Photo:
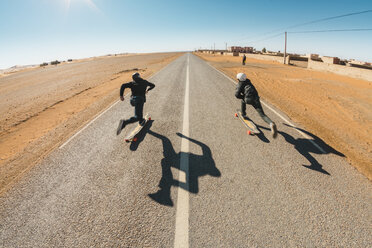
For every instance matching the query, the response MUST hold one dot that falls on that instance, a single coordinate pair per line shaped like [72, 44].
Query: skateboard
[252, 128]
[132, 135]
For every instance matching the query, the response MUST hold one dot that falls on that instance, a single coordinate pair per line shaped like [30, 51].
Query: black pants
[258, 107]
[138, 102]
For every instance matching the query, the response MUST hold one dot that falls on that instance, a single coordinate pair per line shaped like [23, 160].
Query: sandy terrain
[336, 108]
[41, 108]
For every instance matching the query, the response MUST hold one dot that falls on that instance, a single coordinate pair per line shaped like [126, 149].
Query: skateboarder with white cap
[249, 95]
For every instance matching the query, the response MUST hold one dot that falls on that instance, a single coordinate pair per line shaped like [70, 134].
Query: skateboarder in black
[139, 89]
[249, 95]
[244, 59]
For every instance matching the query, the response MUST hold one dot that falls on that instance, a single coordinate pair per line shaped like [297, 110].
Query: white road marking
[182, 177]
[182, 214]
[275, 112]
[100, 114]
[76, 134]
[296, 128]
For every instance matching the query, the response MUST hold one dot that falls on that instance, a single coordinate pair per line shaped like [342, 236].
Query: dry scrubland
[335, 108]
[43, 107]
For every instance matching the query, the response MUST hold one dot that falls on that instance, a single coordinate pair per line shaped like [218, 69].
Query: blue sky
[34, 31]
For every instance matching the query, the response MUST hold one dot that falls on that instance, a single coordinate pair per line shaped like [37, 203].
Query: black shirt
[138, 87]
[243, 86]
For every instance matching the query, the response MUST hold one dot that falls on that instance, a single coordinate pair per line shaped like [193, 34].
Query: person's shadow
[261, 135]
[304, 147]
[199, 165]
[141, 136]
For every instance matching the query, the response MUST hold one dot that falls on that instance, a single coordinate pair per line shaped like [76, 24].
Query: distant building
[331, 60]
[359, 64]
[238, 49]
[312, 56]
[356, 62]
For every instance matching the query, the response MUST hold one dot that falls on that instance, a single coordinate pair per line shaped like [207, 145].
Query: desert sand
[338, 109]
[43, 107]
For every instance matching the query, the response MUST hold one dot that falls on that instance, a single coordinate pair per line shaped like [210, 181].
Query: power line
[307, 23]
[268, 38]
[332, 30]
[322, 31]
[314, 31]
[329, 18]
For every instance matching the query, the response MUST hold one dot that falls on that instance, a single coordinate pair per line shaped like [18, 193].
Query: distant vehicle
[56, 62]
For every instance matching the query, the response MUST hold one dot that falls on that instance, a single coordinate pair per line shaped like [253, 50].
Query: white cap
[241, 76]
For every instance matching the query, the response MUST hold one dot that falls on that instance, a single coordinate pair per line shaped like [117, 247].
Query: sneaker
[274, 130]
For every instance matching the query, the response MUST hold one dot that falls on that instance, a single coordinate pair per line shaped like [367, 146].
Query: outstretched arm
[150, 85]
[122, 88]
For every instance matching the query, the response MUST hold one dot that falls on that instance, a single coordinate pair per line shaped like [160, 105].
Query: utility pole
[214, 47]
[226, 46]
[285, 47]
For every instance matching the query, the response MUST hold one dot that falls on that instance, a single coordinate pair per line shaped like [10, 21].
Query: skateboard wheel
[236, 115]
[149, 118]
[135, 139]
[126, 140]
[249, 132]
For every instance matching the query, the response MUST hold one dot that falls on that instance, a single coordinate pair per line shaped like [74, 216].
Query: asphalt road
[193, 179]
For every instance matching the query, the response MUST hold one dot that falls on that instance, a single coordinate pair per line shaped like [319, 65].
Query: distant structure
[238, 49]
[56, 62]
[359, 64]
[313, 56]
[330, 60]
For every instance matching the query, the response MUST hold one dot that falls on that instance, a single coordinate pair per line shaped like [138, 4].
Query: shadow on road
[305, 147]
[141, 136]
[261, 135]
[199, 165]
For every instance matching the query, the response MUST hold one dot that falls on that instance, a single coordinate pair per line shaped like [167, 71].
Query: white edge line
[181, 237]
[275, 112]
[99, 115]
[87, 125]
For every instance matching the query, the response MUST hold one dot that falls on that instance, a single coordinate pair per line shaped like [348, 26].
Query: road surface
[193, 179]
